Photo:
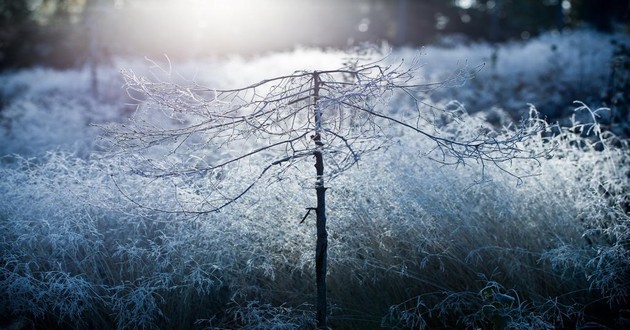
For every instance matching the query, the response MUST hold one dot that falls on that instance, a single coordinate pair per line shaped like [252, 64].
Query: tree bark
[321, 246]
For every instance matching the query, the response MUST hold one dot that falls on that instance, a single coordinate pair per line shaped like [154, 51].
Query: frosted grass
[412, 243]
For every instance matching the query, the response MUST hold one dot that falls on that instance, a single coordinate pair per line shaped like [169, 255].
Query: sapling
[199, 136]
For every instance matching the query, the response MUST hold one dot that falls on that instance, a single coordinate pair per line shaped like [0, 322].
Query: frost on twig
[192, 135]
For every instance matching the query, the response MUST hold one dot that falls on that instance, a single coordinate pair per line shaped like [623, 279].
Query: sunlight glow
[232, 24]
[195, 26]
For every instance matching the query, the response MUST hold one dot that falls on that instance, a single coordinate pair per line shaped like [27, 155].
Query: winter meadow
[113, 209]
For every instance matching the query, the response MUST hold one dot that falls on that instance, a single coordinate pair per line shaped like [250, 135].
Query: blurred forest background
[72, 33]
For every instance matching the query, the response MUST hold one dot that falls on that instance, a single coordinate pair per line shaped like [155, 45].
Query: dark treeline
[67, 33]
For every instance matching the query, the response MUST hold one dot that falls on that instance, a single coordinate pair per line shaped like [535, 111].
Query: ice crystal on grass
[137, 306]
[258, 316]
[405, 232]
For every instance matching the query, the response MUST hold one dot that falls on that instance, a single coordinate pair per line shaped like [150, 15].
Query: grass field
[413, 244]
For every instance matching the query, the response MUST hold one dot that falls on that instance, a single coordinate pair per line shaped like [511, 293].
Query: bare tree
[335, 116]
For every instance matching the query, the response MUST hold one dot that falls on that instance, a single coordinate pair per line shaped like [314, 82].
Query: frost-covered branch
[192, 130]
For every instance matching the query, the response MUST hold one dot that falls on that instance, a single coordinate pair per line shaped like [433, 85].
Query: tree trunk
[495, 24]
[402, 24]
[321, 246]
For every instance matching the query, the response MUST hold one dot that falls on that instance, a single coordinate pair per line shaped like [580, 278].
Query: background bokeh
[69, 33]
